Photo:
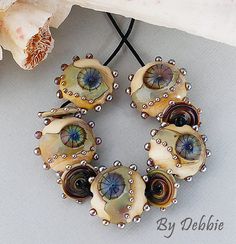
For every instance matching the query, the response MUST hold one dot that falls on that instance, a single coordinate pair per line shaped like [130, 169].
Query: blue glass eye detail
[73, 136]
[112, 185]
[89, 78]
[158, 76]
[188, 147]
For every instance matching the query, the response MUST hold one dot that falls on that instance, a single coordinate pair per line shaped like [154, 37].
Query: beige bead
[118, 195]
[58, 150]
[151, 95]
[74, 88]
[179, 149]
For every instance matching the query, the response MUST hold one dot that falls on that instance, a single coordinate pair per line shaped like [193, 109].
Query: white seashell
[5, 4]
[25, 32]
[213, 19]
[27, 18]
[59, 9]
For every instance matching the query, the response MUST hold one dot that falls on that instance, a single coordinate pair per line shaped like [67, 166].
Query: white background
[31, 209]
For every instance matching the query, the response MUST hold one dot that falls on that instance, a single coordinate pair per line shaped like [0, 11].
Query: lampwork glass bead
[155, 85]
[75, 181]
[180, 114]
[65, 141]
[86, 83]
[180, 149]
[160, 188]
[118, 195]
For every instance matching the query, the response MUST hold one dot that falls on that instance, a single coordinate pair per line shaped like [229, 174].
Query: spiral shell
[86, 83]
[179, 149]
[66, 141]
[118, 195]
[180, 114]
[160, 188]
[75, 181]
[155, 85]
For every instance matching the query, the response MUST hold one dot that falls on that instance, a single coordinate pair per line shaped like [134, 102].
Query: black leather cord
[124, 39]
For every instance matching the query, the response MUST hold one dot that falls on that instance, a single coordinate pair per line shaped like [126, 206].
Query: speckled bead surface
[86, 83]
[179, 149]
[118, 195]
[65, 140]
[161, 188]
[155, 85]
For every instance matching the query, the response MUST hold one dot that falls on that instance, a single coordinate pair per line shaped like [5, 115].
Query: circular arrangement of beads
[119, 194]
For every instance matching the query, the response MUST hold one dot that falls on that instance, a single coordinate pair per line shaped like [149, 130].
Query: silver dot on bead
[164, 143]
[98, 140]
[115, 86]
[63, 156]
[183, 71]
[133, 105]
[121, 225]
[115, 73]
[146, 207]
[158, 59]
[131, 181]
[109, 97]
[171, 61]
[177, 185]
[47, 122]
[130, 77]
[153, 132]
[208, 153]
[91, 124]
[150, 162]
[133, 167]
[169, 149]
[83, 162]
[98, 108]
[165, 95]
[131, 191]
[128, 90]
[189, 178]
[46, 166]
[63, 196]
[117, 163]
[144, 115]
[68, 166]
[105, 222]
[137, 219]
[92, 212]
[158, 141]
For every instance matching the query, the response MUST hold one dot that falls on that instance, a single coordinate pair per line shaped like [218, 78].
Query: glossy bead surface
[75, 181]
[160, 188]
[155, 85]
[179, 149]
[118, 194]
[181, 114]
[65, 141]
[86, 83]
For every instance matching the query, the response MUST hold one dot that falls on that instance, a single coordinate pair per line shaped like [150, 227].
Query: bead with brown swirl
[161, 188]
[75, 182]
[181, 114]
